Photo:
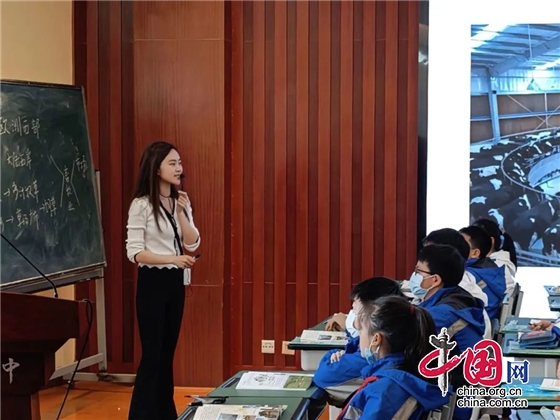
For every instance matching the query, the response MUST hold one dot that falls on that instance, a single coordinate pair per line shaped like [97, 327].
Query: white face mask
[350, 324]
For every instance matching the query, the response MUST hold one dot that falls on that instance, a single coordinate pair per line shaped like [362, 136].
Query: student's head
[438, 266]
[392, 325]
[160, 173]
[450, 237]
[501, 241]
[479, 241]
[372, 289]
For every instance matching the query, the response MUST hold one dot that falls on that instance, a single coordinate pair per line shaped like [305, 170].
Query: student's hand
[336, 323]
[182, 202]
[541, 325]
[184, 261]
[557, 408]
[335, 357]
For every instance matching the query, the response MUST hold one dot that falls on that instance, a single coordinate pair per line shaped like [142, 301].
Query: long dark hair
[147, 184]
[406, 327]
[502, 240]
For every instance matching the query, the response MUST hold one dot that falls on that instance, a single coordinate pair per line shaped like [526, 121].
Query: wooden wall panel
[324, 148]
[297, 124]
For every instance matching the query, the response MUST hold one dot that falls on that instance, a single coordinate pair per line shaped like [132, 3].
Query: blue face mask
[371, 356]
[416, 286]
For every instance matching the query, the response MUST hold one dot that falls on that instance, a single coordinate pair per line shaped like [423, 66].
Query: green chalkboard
[49, 199]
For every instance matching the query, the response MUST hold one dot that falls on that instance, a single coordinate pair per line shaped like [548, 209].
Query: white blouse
[143, 233]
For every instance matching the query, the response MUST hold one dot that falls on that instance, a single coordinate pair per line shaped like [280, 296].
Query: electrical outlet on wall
[286, 350]
[267, 346]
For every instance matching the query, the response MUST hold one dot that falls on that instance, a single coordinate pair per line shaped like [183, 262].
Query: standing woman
[160, 225]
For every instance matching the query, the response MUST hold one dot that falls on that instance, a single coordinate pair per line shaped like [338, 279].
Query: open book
[239, 412]
[323, 337]
[275, 381]
[549, 384]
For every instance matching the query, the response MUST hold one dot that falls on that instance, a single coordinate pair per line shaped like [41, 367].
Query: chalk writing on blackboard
[19, 159]
[20, 125]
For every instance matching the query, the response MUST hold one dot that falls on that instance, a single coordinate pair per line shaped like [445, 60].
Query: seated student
[437, 276]
[369, 289]
[394, 337]
[453, 238]
[490, 277]
[502, 251]
[438, 273]
[339, 371]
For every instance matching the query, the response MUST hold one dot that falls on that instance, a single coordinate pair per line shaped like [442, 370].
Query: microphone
[32, 265]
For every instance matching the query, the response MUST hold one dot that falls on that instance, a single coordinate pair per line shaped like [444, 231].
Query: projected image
[515, 136]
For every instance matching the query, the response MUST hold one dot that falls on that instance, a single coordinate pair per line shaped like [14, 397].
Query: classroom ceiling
[501, 48]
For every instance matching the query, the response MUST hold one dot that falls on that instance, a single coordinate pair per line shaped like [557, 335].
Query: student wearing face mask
[453, 238]
[394, 337]
[339, 371]
[439, 270]
[490, 277]
[369, 289]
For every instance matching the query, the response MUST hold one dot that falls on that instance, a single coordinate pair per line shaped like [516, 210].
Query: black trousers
[160, 298]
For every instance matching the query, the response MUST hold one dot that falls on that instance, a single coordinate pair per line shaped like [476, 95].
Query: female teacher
[160, 225]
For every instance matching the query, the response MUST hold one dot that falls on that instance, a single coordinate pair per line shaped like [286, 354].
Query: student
[438, 272]
[368, 289]
[490, 277]
[453, 238]
[394, 337]
[339, 371]
[502, 251]
[160, 225]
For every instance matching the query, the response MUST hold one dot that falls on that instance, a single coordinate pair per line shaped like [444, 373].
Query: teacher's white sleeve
[136, 228]
[192, 247]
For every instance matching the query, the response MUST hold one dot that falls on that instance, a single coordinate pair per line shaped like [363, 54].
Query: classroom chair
[445, 412]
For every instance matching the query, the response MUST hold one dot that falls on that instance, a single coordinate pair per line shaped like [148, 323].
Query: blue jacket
[347, 368]
[382, 398]
[492, 281]
[452, 305]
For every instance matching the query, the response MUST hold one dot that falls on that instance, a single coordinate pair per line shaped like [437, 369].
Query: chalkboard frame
[79, 274]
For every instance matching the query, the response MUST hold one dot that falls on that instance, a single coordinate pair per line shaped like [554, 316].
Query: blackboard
[49, 198]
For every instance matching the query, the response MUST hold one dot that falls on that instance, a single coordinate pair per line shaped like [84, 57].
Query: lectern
[33, 328]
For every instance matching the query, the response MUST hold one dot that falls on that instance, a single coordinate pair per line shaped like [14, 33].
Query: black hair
[375, 288]
[450, 237]
[502, 240]
[479, 239]
[407, 328]
[445, 261]
[147, 184]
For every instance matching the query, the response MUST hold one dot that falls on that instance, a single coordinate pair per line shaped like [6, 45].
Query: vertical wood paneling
[302, 161]
[280, 97]
[324, 158]
[336, 158]
[345, 147]
[368, 132]
[258, 172]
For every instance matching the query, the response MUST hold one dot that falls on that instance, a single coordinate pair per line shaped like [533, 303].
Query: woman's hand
[182, 202]
[184, 261]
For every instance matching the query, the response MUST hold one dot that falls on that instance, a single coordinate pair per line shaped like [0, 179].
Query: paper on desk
[239, 412]
[275, 381]
[323, 337]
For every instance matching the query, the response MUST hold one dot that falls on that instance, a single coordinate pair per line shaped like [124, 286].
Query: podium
[33, 328]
